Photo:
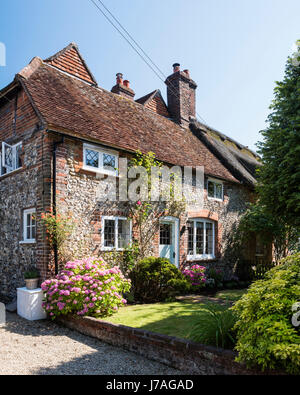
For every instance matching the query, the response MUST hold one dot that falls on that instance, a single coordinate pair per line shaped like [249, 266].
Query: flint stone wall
[18, 192]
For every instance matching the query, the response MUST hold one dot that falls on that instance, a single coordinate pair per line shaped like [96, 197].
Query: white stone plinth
[2, 314]
[29, 303]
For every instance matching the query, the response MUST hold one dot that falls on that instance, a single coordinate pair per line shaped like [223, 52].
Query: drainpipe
[55, 144]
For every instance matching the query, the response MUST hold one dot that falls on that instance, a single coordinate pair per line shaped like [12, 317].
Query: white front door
[168, 240]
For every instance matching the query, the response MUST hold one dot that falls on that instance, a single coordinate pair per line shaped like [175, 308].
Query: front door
[168, 240]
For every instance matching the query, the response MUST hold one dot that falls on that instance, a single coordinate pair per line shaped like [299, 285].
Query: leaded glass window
[109, 161]
[10, 158]
[92, 158]
[99, 160]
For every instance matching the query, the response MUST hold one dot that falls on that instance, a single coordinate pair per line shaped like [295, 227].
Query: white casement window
[100, 160]
[215, 189]
[29, 225]
[10, 158]
[115, 233]
[201, 239]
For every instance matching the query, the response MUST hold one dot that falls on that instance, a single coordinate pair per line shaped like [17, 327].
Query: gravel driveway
[43, 347]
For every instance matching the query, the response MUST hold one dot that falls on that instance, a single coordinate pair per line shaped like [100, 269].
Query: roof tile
[69, 104]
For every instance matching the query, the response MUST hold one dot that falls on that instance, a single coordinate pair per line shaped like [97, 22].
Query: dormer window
[100, 160]
[10, 158]
[215, 189]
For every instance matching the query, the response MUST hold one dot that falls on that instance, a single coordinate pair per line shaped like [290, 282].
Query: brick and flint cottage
[59, 132]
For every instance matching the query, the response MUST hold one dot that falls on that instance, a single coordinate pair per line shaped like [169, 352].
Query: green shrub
[217, 275]
[214, 327]
[85, 287]
[260, 269]
[247, 270]
[32, 272]
[265, 334]
[155, 280]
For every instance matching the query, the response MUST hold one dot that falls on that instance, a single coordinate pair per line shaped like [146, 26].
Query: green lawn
[173, 319]
[231, 295]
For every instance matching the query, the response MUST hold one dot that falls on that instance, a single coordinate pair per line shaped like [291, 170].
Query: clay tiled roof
[68, 104]
[77, 106]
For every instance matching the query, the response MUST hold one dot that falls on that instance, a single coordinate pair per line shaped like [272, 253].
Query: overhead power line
[132, 38]
[136, 47]
[125, 38]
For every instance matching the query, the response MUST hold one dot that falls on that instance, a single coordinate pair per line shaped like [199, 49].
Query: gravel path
[43, 347]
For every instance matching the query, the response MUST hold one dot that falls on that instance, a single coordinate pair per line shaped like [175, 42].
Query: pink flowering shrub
[85, 287]
[196, 275]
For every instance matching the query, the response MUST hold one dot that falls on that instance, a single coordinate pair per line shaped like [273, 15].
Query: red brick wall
[182, 354]
[16, 116]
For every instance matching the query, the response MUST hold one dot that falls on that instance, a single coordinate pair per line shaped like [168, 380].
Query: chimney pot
[119, 78]
[187, 72]
[122, 88]
[176, 67]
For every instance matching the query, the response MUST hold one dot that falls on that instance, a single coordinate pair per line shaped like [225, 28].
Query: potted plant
[31, 277]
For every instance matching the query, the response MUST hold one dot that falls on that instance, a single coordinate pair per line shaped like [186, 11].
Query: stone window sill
[27, 242]
[16, 171]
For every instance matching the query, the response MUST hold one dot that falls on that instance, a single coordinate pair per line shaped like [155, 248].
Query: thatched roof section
[238, 159]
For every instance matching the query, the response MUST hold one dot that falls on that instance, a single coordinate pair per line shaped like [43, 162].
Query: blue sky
[234, 49]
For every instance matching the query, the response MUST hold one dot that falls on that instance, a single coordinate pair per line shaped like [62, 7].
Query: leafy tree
[266, 332]
[279, 177]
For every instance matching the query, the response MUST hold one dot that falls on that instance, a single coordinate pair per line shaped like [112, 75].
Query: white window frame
[25, 213]
[199, 257]
[101, 152]
[215, 181]
[9, 169]
[116, 219]
[1, 167]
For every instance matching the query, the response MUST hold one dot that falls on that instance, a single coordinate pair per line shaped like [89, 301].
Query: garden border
[185, 355]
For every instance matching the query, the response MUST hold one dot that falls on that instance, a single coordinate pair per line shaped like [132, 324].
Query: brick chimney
[181, 93]
[122, 88]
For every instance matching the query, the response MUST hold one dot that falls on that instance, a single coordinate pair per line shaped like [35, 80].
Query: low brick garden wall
[190, 357]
